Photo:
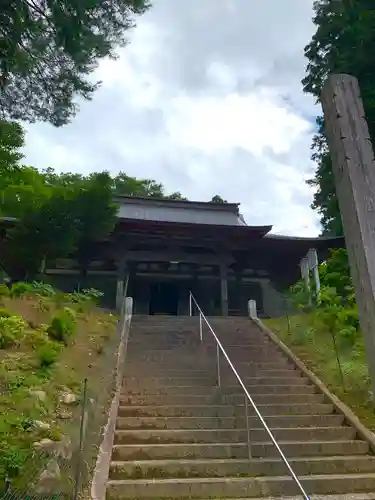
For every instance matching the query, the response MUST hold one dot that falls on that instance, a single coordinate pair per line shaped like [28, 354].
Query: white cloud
[253, 122]
[206, 99]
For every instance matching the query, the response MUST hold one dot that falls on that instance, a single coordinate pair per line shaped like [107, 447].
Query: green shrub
[70, 313]
[12, 330]
[92, 294]
[4, 313]
[4, 290]
[12, 459]
[62, 327]
[19, 289]
[87, 296]
[47, 355]
[43, 289]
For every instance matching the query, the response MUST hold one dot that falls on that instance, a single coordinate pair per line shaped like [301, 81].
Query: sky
[207, 99]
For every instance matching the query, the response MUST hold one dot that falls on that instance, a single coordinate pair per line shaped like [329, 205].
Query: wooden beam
[354, 173]
[175, 257]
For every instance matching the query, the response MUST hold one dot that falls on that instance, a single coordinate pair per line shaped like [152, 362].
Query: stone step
[132, 382]
[240, 467]
[226, 390]
[238, 487]
[232, 435]
[161, 342]
[223, 410]
[350, 496]
[291, 421]
[202, 363]
[132, 369]
[172, 400]
[237, 450]
[172, 356]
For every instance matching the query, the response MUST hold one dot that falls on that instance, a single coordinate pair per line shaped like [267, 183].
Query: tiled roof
[179, 211]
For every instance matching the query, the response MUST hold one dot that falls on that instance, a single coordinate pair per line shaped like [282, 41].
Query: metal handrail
[248, 398]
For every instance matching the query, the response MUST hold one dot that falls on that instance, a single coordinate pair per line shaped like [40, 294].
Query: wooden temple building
[162, 249]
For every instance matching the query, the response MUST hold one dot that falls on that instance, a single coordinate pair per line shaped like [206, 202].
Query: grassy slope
[87, 355]
[313, 344]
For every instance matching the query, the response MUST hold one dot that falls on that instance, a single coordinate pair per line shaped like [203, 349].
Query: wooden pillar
[224, 289]
[354, 173]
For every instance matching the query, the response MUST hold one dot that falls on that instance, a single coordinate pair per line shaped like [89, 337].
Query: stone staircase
[178, 436]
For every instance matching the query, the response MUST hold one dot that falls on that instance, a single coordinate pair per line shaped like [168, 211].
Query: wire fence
[64, 468]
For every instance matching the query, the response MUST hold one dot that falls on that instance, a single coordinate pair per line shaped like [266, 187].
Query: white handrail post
[248, 427]
[200, 328]
[218, 365]
[190, 305]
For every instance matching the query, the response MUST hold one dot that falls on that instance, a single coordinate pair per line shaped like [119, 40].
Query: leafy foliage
[48, 354]
[49, 49]
[335, 304]
[218, 199]
[11, 140]
[62, 327]
[12, 329]
[19, 289]
[342, 43]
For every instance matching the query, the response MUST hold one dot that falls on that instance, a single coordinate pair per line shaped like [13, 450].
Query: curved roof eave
[304, 238]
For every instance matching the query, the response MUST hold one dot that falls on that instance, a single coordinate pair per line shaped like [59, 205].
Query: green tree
[125, 185]
[95, 216]
[335, 273]
[46, 232]
[49, 49]
[218, 199]
[11, 141]
[70, 219]
[343, 43]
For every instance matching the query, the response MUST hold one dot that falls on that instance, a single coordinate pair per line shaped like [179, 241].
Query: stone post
[354, 173]
[312, 259]
[252, 309]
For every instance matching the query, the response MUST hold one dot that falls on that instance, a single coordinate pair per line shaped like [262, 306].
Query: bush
[19, 289]
[12, 459]
[4, 290]
[92, 294]
[62, 327]
[12, 330]
[37, 336]
[70, 313]
[4, 313]
[43, 289]
[48, 355]
[89, 295]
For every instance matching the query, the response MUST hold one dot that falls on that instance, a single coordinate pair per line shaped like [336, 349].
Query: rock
[65, 448]
[45, 445]
[40, 395]
[62, 448]
[43, 426]
[67, 397]
[48, 478]
[64, 415]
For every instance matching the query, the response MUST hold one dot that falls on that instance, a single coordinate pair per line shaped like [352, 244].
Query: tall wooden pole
[354, 173]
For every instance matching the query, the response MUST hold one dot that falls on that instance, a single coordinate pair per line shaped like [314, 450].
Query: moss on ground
[311, 341]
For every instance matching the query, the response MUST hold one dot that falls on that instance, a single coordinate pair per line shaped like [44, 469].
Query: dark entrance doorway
[164, 298]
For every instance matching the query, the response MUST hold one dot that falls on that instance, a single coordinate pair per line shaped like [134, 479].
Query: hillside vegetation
[326, 335]
[49, 343]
